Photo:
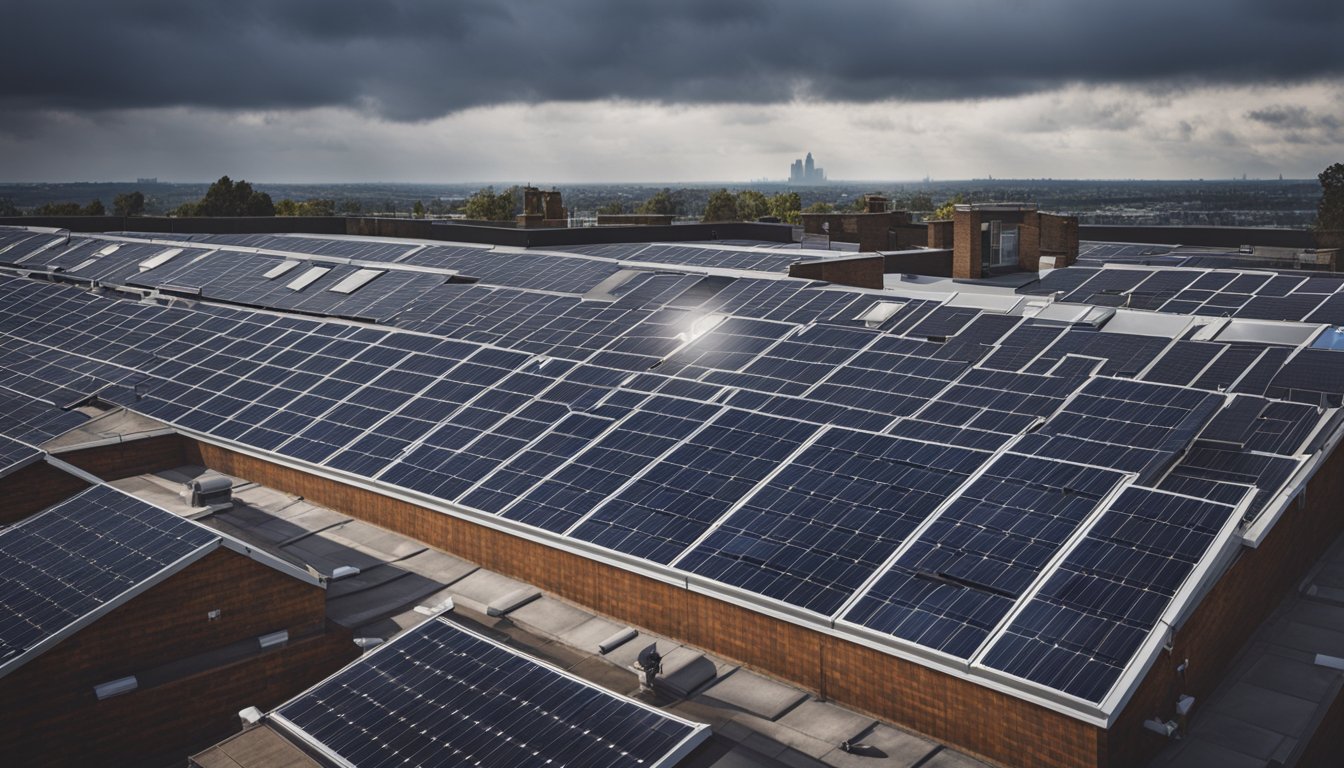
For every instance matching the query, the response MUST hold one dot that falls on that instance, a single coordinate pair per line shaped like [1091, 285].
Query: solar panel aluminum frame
[700, 732]
[1207, 571]
[1307, 468]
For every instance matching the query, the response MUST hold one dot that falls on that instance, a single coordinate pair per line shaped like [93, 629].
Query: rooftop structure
[985, 514]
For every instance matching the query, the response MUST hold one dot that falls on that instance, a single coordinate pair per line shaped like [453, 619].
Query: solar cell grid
[1182, 362]
[1128, 425]
[821, 526]
[1082, 629]
[960, 577]
[678, 498]
[439, 695]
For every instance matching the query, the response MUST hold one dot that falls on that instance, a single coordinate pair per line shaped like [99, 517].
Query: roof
[62, 568]
[916, 479]
[462, 699]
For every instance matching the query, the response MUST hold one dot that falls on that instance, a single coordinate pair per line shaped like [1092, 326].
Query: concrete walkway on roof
[1276, 695]
[758, 722]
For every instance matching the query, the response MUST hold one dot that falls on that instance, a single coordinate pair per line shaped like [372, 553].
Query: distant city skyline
[577, 91]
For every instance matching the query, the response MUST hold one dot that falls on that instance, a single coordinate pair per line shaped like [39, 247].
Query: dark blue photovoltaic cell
[60, 564]
[818, 529]
[998, 401]
[1082, 629]
[1310, 376]
[1183, 362]
[1129, 425]
[600, 470]
[440, 696]
[680, 497]
[1125, 354]
[1208, 461]
[961, 577]
[1022, 345]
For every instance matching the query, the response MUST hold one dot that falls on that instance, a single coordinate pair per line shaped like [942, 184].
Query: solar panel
[1128, 425]
[61, 564]
[821, 526]
[959, 577]
[674, 501]
[439, 695]
[1310, 376]
[1081, 630]
[1206, 462]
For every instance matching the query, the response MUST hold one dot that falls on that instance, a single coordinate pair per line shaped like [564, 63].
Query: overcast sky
[556, 91]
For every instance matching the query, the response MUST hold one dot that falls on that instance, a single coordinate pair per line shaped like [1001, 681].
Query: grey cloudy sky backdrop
[679, 90]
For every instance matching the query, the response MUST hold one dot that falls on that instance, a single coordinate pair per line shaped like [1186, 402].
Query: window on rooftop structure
[280, 269]
[356, 280]
[307, 278]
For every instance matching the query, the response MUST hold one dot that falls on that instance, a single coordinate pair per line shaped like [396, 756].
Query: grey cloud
[406, 60]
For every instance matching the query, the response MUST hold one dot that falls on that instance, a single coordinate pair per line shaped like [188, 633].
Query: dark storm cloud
[410, 60]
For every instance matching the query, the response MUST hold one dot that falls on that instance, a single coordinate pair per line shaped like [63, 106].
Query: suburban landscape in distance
[1235, 202]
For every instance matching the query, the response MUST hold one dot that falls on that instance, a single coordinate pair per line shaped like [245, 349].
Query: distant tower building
[806, 172]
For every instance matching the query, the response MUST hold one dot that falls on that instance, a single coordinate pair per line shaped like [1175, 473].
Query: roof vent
[213, 491]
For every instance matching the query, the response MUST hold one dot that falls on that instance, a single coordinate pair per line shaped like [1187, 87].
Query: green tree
[286, 207]
[1330, 212]
[129, 204]
[820, 207]
[94, 208]
[488, 205]
[722, 206]
[418, 210]
[661, 204]
[946, 210]
[786, 206]
[229, 198]
[919, 201]
[7, 207]
[752, 205]
[318, 206]
[351, 207]
[611, 208]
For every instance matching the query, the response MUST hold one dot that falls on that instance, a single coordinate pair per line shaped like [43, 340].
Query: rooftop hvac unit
[213, 491]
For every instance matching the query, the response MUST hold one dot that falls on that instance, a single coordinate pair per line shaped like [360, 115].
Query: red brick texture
[33, 489]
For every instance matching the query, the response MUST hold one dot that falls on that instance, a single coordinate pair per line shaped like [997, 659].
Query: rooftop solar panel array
[439, 695]
[910, 470]
[1193, 291]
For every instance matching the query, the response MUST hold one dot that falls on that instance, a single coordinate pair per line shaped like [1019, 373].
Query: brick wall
[1059, 238]
[870, 230]
[33, 489]
[966, 258]
[1029, 244]
[135, 457]
[858, 272]
[48, 711]
[940, 234]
